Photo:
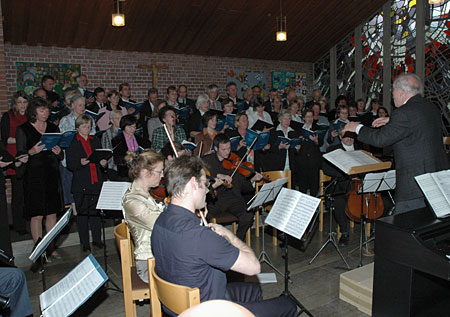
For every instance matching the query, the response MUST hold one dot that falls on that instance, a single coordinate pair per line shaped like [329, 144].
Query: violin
[371, 204]
[159, 193]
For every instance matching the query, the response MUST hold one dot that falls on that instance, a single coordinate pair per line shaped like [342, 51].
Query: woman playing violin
[140, 209]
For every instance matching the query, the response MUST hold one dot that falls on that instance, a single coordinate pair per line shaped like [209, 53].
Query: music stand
[110, 199]
[372, 184]
[267, 193]
[331, 238]
[291, 214]
[42, 244]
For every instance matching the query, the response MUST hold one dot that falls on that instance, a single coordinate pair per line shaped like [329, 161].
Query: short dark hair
[256, 101]
[36, 91]
[123, 85]
[47, 77]
[162, 112]
[220, 138]
[171, 88]
[339, 98]
[179, 172]
[98, 90]
[306, 111]
[208, 116]
[230, 84]
[152, 91]
[127, 120]
[182, 86]
[35, 103]
[226, 100]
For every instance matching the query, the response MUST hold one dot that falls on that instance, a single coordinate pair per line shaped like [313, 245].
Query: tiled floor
[316, 286]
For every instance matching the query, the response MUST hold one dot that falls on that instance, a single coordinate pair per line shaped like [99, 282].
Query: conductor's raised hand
[380, 122]
[351, 127]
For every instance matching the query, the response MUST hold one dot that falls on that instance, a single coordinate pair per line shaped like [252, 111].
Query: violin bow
[201, 148]
[170, 140]
[243, 157]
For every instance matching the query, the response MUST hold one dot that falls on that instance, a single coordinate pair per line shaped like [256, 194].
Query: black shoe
[86, 249]
[343, 241]
[97, 244]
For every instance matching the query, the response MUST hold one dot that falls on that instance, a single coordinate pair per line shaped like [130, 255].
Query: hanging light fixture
[118, 19]
[281, 26]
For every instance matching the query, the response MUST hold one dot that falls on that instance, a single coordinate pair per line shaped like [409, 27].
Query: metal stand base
[264, 257]
[331, 238]
[105, 256]
[286, 292]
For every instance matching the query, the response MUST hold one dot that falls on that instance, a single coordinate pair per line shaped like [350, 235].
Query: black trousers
[5, 239]
[236, 206]
[87, 215]
[339, 212]
[249, 295]
[308, 178]
[17, 203]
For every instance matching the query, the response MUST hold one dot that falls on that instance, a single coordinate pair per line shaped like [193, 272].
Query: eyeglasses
[161, 172]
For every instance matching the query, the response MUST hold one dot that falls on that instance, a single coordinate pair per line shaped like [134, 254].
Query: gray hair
[212, 87]
[114, 113]
[201, 99]
[74, 98]
[284, 112]
[409, 83]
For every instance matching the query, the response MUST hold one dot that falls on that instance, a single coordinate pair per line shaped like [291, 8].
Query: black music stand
[110, 199]
[291, 214]
[331, 235]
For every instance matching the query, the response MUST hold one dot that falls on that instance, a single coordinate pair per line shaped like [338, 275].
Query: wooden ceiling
[231, 28]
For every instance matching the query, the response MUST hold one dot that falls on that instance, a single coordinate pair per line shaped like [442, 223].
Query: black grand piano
[412, 267]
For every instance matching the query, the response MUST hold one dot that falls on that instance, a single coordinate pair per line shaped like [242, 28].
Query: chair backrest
[273, 175]
[177, 298]
[121, 231]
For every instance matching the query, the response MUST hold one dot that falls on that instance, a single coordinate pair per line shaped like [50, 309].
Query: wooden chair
[272, 175]
[177, 298]
[133, 287]
[226, 218]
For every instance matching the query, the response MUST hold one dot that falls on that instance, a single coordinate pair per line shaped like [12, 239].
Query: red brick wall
[109, 68]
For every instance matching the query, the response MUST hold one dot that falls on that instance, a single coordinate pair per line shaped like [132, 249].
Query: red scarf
[87, 148]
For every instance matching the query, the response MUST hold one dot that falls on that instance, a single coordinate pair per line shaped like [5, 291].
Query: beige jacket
[141, 211]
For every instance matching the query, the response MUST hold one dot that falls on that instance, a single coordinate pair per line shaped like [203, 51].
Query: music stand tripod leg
[105, 257]
[331, 239]
[286, 291]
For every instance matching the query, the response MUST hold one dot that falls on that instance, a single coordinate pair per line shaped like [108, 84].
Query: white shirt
[253, 117]
[286, 162]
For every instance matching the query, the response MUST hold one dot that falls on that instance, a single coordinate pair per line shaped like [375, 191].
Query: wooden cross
[154, 68]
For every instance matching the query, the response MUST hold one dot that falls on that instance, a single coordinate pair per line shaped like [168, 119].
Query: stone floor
[316, 286]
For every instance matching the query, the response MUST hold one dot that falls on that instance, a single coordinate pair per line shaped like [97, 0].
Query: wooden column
[358, 63]
[333, 80]
[387, 61]
[420, 38]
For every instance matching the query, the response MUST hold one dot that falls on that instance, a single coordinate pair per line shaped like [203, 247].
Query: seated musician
[189, 254]
[207, 136]
[347, 143]
[140, 208]
[229, 199]
[193, 126]
[159, 138]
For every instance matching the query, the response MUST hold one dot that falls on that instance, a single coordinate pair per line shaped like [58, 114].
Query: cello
[372, 206]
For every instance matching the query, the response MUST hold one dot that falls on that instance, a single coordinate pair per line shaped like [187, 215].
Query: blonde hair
[137, 162]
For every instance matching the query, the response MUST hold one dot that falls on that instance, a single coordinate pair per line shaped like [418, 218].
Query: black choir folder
[66, 296]
[100, 154]
[53, 139]
[436, 188]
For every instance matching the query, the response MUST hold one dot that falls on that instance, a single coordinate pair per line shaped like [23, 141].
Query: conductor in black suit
[414, 130]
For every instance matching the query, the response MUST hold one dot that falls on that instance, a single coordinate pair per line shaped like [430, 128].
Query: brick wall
[109, 68]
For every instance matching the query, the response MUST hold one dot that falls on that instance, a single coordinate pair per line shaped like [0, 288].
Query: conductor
[414, 130]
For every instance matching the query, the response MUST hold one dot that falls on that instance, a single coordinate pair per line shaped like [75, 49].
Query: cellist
[343, 183]
[229, 199]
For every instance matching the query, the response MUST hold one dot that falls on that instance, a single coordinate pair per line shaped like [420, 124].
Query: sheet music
[377, 182]
[267, 193]
[442, 179]
[346, 160]
[292, 212]
[111, 195]
[63, 298]
[40, 248]
[433, 193]
[265, 278]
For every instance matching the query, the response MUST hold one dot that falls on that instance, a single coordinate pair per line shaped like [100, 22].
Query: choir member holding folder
[86, 182]
[258, 114]
[42, 183]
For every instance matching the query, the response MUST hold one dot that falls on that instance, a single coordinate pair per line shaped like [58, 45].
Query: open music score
[292, 212]
[111, 195]
[355, 162]
[436, 188]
